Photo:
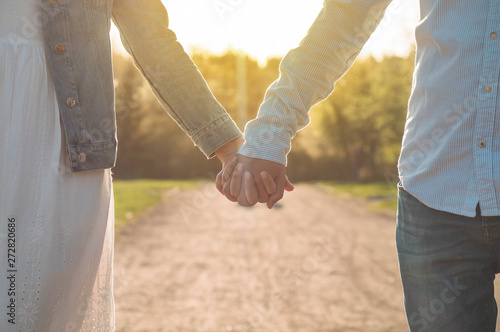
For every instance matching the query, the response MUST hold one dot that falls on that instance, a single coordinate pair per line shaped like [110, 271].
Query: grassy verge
[383, 195]
[132, 197]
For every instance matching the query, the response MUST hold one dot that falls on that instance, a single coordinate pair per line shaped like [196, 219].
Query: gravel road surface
[200, 263]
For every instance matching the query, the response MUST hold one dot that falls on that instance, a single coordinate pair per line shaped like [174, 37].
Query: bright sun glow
[264, 28]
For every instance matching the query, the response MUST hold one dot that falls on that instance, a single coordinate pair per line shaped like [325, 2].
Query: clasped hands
[250, 180]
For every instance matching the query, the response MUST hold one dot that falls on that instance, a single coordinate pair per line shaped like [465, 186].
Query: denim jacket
[78, 50]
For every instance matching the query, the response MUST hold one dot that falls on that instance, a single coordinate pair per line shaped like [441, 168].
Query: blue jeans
[448, 264]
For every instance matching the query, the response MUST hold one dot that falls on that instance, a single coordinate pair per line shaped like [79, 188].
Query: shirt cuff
[215, 135]
[266, 143]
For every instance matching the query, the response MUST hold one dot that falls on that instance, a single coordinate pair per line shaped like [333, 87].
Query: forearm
[308, 75]
[171, 74]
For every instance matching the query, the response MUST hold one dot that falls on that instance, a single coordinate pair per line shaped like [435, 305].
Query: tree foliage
[363, 120]
[357, 130]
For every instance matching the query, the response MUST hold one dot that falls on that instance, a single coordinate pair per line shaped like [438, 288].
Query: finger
[268, 182]
[242, 198]
[278, 194]
[227, 192]
[288, 185]
[235, 186]
[229, 169]
[250, 189]
[218, 183]
[262, 195]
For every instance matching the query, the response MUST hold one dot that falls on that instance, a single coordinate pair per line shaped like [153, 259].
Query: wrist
[229, 150]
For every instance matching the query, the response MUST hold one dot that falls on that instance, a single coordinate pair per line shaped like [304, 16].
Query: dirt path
[199, 263]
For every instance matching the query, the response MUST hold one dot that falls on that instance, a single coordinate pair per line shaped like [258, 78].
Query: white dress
[56, 227]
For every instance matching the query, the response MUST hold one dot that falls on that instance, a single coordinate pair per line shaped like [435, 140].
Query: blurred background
[354, 135]
[324, 259]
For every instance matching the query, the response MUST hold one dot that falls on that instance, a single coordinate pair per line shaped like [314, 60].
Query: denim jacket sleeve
[171, 74]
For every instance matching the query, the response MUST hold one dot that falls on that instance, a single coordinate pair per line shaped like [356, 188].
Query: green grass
[383, 194]
[132, 197]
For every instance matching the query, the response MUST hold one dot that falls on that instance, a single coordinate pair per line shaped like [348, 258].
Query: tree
[363, 119]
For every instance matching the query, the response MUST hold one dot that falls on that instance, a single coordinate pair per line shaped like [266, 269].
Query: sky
[265, 28]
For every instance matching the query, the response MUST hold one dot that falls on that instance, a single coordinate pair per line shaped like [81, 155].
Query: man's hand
[250, 180]
[255, 180]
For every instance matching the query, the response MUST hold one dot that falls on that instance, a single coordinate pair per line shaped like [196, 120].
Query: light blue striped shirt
[450, 156]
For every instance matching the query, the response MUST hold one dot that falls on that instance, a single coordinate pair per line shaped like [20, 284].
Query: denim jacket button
[71, 102]
[82, 157]
[59, 49]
